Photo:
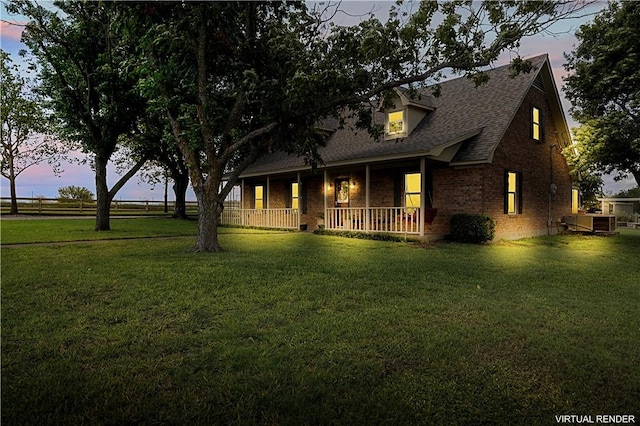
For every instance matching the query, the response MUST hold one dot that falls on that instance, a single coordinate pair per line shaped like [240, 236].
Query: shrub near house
[472, 228]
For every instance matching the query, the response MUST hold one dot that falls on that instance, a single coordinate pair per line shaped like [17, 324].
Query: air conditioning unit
[590, 223]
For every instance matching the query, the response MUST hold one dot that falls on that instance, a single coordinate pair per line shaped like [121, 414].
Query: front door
[342, 193]
[342, 202]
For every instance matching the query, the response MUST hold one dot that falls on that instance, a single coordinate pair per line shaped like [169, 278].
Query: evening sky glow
[40, 181]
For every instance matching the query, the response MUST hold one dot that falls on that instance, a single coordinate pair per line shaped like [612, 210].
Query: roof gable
[422, 100]
[553, 95]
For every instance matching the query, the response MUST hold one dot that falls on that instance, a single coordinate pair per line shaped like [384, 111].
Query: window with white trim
[412, 190]
[536, 124]
[513, 192]
[575, 200]
[295, 197]
[395, 123]
[259, 197]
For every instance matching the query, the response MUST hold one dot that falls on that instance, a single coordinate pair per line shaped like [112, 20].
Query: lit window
[294, 195]
[536, 124]
[575, 199]
[395, 122]
[513, 193]
[412, 189]
[259, 205]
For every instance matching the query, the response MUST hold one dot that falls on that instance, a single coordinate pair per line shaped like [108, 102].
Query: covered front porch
[392, 198]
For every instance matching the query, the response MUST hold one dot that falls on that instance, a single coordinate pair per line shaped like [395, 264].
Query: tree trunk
[14, 196]
[180, 186]
[166, 193]
[103, 199]
[209, 209]
[12, 182]
[104, 195]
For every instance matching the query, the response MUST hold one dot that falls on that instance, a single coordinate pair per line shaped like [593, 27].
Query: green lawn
[289, 328]
[63, 230]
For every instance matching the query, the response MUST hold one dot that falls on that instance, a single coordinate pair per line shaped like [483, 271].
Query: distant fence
[53, 206]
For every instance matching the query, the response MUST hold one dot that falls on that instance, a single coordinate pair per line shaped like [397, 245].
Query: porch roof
[467, 123]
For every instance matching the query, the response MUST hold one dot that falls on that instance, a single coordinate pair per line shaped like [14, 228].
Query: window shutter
[302, 194]
[519, 189]
[398, 189]
[428, 188]
[531, 122]
[287, 195]
[505, 191]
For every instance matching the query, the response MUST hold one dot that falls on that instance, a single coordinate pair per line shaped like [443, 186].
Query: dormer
[405, 113]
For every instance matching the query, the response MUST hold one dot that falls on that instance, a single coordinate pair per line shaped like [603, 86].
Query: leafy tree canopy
[629, 193]
[82, 48]
[587, 174]
[238, 80]
[604, 88]
[24, 127]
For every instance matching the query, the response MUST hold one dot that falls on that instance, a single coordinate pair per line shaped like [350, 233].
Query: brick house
[495, 149]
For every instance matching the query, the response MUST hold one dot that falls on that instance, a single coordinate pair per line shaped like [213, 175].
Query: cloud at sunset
[11, 30]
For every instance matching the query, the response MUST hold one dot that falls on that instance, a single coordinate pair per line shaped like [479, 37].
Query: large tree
[237, 80]
[585, 171]
[604, 88]
[153, 140]
[83, 49]
[24, 127]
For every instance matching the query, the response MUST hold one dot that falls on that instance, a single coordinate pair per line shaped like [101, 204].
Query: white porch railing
[374, 219]
[263, 218]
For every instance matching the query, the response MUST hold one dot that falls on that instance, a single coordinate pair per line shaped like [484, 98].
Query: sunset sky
[40, 180]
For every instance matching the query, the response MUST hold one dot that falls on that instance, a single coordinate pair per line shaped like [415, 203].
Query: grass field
[65, 230]
[290, 328]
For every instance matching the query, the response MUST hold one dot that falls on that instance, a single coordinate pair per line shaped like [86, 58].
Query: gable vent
[537, 83]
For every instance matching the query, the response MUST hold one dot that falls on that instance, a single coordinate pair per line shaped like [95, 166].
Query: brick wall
[382, 187]
[277, 190]
[314, 187]
[541, 164]
[456, 190]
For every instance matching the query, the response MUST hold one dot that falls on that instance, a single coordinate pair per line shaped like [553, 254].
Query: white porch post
[423, 193]
[367, 198]
[268, 200]
[299, 200]
[325, 192]
[242, 202]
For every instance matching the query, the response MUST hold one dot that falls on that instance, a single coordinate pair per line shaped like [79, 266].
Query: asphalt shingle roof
[478, 115]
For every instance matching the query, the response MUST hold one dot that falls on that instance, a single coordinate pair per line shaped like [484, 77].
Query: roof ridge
[489, 70]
